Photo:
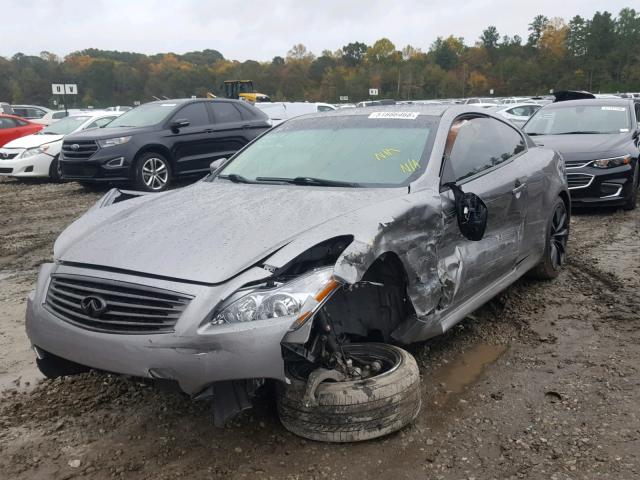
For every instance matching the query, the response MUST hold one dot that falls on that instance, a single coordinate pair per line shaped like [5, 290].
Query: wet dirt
[542, 382]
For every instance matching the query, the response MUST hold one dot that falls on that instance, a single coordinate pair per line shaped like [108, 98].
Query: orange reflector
[328, 288]
[320, 297]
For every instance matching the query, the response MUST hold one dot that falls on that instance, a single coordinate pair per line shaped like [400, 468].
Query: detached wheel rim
[155, 173]
[559, 236]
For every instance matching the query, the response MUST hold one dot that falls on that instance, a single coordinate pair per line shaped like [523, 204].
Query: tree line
[599, 54]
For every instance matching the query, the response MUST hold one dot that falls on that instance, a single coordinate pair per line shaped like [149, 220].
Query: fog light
[115, 163]
[29, 169]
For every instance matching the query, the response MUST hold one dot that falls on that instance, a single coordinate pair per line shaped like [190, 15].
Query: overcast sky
[260, 30]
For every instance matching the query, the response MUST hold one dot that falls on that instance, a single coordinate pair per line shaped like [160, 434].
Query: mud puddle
[465, 370]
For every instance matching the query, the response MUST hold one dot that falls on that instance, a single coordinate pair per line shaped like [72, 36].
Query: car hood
[30, 141]
[107, 132]
[208, 232]
[585, 147]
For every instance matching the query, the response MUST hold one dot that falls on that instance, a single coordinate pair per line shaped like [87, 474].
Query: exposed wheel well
[374, 307]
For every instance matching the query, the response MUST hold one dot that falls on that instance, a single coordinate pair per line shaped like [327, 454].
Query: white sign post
[373, 92]
[64, 89]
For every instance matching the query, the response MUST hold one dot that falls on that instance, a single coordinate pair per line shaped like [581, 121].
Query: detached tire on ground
[355, 410]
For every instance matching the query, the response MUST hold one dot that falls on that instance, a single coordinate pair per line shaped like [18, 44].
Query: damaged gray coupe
[306, 259]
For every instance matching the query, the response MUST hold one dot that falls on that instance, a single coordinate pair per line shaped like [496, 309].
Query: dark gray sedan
[306, 258]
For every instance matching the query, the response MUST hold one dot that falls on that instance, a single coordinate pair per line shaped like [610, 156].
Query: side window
[477, 144]
[324, 108]
[519, 111]
[21, 112]
[6, 123]
[59, 115]
[196, 113]
[20, 123]
[225, 112]
[637, 105]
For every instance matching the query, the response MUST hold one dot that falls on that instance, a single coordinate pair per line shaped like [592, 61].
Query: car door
[231, 131]
[193, 146]
[480, 157]
[12, 128]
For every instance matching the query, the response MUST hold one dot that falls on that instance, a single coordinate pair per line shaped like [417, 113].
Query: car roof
[15, 117]
[436, 110]
[590, 101]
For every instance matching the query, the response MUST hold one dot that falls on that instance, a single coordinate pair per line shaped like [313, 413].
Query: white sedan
[37, 155]
[517, 113]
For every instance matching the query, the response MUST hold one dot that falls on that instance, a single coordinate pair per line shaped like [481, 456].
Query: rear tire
[152, 172]
[555, 248]
[352, 411]
[631, 202]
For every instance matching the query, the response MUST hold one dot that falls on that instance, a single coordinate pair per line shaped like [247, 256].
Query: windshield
[560, 120]
[65, 126]
[356, 150]
[144, 115]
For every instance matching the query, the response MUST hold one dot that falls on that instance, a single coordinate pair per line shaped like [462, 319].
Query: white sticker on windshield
[396, 115]
[167, 104]
[615, 109]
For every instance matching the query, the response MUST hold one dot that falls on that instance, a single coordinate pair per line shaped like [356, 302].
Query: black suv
[151, 144]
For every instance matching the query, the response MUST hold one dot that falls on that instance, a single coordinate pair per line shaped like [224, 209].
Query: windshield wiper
[322, 182]
[235, 178]
[578, 132]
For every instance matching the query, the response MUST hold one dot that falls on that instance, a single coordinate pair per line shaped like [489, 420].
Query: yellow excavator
[243, 90]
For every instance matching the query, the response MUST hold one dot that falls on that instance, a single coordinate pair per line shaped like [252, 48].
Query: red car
[12, 127]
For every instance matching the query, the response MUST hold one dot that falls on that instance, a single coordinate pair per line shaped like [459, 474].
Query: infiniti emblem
[75, 146]
[93, 305]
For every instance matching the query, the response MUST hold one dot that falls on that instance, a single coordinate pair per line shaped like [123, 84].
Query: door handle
[246, 126]
[519, 188]
[208, 130]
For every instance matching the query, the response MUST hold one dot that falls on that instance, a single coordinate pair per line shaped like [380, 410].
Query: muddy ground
[543, 382]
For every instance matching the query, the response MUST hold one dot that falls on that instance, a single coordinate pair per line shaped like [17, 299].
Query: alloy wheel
[155, 173]
[559, 236]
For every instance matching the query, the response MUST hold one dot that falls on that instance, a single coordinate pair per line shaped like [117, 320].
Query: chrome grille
[576, 163]
[579, 180]
[83, 150]
[129, 308]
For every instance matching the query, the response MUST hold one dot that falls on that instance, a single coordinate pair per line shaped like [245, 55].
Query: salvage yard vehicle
[30, 112]
[518, 113]
[37, 155]
[600, 142]
[152, 144]
[12, 127]
[306, 258]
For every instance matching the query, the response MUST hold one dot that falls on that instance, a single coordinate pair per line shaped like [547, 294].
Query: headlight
[111, 142]
[612, 162]
[30, 152]
[297, 299]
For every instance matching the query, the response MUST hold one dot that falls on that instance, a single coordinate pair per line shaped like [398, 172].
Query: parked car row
[37, 155]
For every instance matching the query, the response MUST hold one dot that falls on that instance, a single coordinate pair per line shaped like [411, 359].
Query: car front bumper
[95, 168]
[600, 186]
[33, 166]
[195, 355]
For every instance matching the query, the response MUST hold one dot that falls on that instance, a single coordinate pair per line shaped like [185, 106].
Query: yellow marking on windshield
[385, 153]
[410, 166]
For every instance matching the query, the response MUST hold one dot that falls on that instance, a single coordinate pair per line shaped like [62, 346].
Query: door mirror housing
[179, 123]
[216, 164]
[471, 212]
